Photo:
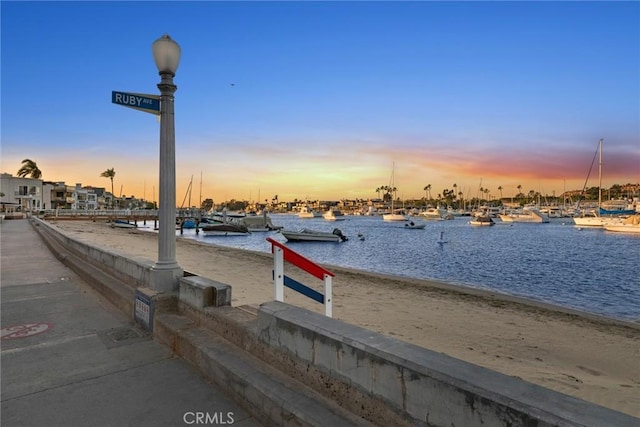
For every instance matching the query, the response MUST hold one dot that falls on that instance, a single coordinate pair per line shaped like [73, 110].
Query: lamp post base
[165, 278]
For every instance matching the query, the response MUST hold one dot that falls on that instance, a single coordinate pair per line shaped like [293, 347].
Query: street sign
[137, 101]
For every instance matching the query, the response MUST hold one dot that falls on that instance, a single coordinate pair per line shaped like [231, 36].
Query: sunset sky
[318, 100]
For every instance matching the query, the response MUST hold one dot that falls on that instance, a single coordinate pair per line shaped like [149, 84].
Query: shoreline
[447, 287]
[585, 355]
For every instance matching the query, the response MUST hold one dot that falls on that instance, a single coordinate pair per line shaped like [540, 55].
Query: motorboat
[482, 221]
[258, 223]
[225, 229]
[629, 225]
[306, 212]
[413, 226]
[590, 220]
[528, 214]
[433, 213]
[306, 235]
[333, 215]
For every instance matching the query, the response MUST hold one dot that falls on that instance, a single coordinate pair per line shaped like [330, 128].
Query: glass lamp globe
[166, 54]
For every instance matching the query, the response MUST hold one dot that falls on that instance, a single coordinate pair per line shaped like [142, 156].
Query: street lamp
[166, 271]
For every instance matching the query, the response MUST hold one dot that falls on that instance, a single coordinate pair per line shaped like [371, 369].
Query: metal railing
[68, 213]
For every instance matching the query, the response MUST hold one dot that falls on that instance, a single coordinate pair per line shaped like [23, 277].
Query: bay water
[590, 270]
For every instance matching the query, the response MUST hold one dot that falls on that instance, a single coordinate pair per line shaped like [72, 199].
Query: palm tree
[29, 168]
[500, 190]
[428, 191]
[110, 173]
[519, 187]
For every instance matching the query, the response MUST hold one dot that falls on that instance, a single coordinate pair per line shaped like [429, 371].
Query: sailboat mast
[393, 180]
[600, 177]
[190, 182]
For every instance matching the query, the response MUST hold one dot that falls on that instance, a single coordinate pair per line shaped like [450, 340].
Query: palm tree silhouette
[110, 173]
[29, 168]
[427, 188]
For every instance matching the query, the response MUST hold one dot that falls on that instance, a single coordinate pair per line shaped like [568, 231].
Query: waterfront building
[21, 194]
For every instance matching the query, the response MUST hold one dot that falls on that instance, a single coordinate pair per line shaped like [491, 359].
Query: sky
[327, 100]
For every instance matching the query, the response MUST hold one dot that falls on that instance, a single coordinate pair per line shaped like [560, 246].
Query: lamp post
[166, 271]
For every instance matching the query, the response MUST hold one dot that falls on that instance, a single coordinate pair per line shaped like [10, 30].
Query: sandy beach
[584, 356]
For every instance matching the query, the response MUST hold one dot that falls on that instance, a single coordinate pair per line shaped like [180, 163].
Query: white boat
[433, 213]
[482, 221]
[393, 215]
[333, 215]
[590, 220]
[413, 226]
[306, 212]
[258, 223]
[528, 214]
[596, 218]
[306, 235]
[629, 225]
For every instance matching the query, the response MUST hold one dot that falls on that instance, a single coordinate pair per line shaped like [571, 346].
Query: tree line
[448, 197]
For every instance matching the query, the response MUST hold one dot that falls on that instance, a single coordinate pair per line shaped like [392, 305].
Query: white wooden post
[278, 273]
[327, 296]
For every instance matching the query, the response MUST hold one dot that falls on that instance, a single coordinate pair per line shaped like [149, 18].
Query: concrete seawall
[381, 380]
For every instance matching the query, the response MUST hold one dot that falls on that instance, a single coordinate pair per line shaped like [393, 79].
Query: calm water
[589, 270]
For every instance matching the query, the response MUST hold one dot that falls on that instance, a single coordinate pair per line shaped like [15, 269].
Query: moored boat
[225, 229]
[629, 225]
[306, 235]
[258, 223]
[482, 221]
[606, 213]
[120, 223]
[528, 214]
[393, 215]
[413, 226]
[333, 215]
[307, 212]
[433, 213]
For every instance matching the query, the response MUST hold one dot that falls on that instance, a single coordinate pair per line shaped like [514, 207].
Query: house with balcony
[61, 195]
[19, 194]
[84, 198]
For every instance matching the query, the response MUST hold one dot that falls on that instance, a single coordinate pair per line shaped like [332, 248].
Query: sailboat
[596, 219]
[393, 216]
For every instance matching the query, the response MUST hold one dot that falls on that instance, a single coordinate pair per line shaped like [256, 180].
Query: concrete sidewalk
[69, 358]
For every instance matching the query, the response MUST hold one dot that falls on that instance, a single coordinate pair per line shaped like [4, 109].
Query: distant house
[60, 195]
[84, 198]
[20, 194]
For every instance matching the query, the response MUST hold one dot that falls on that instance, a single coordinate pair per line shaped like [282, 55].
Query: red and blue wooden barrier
[281, 253]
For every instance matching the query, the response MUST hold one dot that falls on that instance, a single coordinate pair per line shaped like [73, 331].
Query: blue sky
[319, 99]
